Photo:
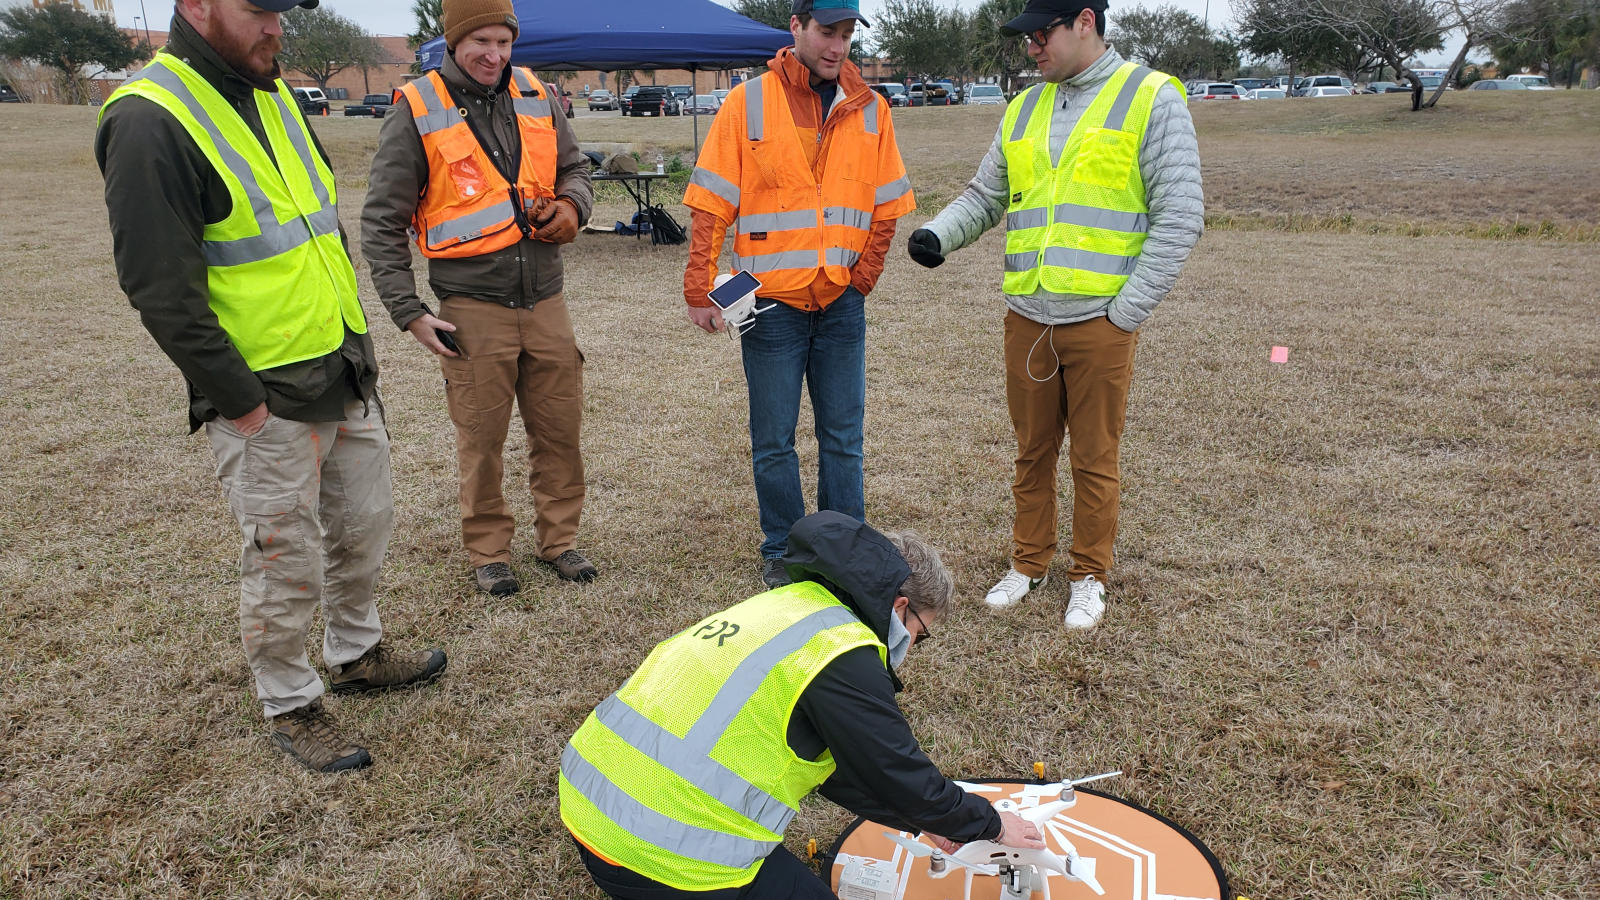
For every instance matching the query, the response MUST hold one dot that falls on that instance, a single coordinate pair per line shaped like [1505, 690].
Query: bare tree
[1394, 31]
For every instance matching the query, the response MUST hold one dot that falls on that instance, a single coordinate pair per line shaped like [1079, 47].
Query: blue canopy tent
[633, 34]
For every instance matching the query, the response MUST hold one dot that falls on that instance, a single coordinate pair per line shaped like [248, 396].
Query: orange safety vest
[786, 226]
[468, 208]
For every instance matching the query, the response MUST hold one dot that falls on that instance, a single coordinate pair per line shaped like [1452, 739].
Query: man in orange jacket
[803, 167]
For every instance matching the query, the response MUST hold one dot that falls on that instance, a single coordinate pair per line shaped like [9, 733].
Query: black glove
[924, 248]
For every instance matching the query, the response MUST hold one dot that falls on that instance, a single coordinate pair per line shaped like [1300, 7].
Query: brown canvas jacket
[161, 192]
[522, 274]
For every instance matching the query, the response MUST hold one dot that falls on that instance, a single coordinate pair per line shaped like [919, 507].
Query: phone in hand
[448, 341]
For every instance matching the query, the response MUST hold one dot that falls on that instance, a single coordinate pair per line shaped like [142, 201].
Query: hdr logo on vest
[724, 630]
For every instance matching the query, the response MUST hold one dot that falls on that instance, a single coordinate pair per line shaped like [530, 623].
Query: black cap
[829, 12]
[279, 6]
[1040, 13]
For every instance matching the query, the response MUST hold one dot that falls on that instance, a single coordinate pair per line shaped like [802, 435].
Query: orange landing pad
[1138, 855]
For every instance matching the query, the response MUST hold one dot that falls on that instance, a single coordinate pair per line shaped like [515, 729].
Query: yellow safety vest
[1077, 226]
[279, 279]
[685, 775]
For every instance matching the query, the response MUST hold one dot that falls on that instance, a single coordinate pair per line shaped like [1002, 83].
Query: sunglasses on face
[1042, 36]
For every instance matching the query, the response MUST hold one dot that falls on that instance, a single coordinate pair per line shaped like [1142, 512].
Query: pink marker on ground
[1280, 354]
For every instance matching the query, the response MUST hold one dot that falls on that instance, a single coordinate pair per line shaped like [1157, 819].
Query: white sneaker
[1011, 589]
[1088, 602]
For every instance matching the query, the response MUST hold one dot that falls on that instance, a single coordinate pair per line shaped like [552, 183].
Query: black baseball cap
[279, 6]
[829, 12]
[1040, 13]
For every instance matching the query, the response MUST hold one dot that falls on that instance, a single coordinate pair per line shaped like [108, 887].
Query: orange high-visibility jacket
[754, 174]
[468, 208]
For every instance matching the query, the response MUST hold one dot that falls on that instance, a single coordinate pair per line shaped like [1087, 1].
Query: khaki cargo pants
[530, 357]
[314, 502]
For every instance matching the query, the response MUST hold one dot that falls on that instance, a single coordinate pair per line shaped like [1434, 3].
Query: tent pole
[694, 79]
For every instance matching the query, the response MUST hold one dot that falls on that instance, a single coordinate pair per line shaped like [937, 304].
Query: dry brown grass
[1351, 640]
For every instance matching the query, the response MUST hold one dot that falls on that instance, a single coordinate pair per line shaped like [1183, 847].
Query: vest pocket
[1019, 164]
[538, 152]
[1106, 158]
[460, 152]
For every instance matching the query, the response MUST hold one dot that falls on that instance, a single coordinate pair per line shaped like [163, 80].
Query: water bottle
[661, 164]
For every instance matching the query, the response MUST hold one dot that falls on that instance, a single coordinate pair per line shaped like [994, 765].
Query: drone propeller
[914, 847]
[1054, 790]
[971, 788]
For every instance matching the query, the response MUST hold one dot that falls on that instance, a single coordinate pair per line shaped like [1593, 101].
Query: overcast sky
[394, 16]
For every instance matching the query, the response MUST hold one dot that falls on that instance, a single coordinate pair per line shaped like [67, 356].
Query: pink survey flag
[1280, 354]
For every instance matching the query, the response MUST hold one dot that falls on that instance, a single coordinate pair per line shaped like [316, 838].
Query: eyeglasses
[924, 634]
[1042, 36]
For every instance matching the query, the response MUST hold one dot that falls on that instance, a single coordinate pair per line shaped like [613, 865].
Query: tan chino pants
[529, 356]
[315, 503]
[1067, 380]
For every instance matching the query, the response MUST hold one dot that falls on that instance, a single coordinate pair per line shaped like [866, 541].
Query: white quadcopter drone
[1022, 873]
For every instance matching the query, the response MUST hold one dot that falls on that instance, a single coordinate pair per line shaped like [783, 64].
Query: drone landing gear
[1021, 882]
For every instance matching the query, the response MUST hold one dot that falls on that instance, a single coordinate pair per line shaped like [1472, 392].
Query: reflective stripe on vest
[469, 208]
[787, 220]
[695, 844]
[278, 278]
[1076, 225]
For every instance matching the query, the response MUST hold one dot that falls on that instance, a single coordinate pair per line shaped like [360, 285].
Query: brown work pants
[1060, 380]
[531, 356]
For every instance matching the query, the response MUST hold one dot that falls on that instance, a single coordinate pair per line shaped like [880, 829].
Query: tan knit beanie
[463, 17]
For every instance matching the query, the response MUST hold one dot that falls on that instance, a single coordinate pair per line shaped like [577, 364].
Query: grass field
[1352, 634]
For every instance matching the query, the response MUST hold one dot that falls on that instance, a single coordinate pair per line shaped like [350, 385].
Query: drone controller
[735, 296]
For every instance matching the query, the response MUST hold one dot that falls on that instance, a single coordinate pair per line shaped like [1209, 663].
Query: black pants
[782, 877]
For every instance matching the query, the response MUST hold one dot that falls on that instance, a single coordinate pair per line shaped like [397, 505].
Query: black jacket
[849, 708]
[161, 192]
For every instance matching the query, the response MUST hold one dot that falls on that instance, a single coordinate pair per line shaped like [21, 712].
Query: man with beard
[225, 221]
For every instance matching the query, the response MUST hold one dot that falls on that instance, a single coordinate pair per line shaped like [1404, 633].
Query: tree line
[70, 44]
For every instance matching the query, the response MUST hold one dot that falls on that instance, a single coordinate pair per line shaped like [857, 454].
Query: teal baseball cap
[830, 11]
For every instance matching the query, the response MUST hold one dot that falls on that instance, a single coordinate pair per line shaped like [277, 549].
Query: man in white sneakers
[1097, 176]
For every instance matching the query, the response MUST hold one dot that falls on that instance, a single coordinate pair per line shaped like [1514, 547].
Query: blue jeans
[828, 349]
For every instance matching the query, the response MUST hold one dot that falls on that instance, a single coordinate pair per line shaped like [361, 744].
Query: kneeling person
[683, 781]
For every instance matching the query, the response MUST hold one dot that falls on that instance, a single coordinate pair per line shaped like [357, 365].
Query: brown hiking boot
[381, 668]
[311, 739]
[571, 566]
[496, 579]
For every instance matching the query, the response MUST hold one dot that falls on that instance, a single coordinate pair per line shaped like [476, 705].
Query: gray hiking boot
[382, 668]
[773, 574]
[310, 738]
[496, 579]
[572, 566]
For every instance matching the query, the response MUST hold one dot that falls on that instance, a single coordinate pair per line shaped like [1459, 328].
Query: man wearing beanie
[478, 166]
[1096, 173]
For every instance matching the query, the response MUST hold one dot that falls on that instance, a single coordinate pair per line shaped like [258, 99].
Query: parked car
[566, 101]
[1214, 90]
[1250, 84]
[1266, 93]
[1380, 87]
[704, 105]
[1304, 85]
[1533, 82]
[654, 100]
[313, 102]
[372, 106]
[1432, 82]
[930, 94]
[951, 95]
[985, 95]
[1496, 84]
[721, 94]
[625, 103]
[8, 94]
[894, 93]
[602, 100]
[1326, 92]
